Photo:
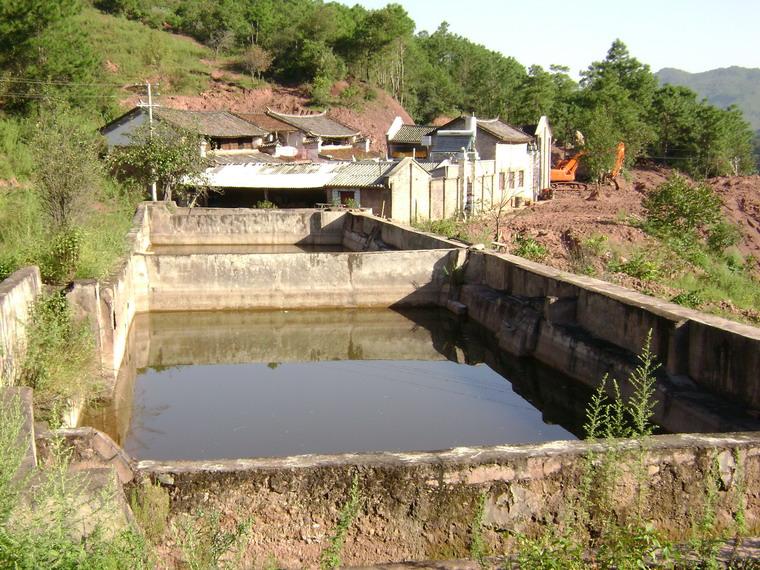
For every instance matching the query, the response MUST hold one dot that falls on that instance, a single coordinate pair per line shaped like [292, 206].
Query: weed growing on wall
[478, 546]
[331, 555]
[529, 248]
[150, 504]
[60, 358]
[205, 543]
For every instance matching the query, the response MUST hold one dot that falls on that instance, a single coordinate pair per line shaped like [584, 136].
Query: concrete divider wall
[420, 506]
[111, 304]
[231, 226]
[17, 292]
[298, 280]
[368, 232]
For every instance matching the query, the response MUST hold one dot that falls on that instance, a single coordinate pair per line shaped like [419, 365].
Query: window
[511, 179]
[521, 178]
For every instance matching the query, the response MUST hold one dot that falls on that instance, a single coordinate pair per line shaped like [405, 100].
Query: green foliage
[205, 543]
[478, 547]
[150, 504]
[677, 207]
[60, 357]
[166, 155]
[67, 170]
[690, 299]
[265, 204]
[59, 264]
[529, 248]
[640, 265]
[36, 523]
[448, 228]
[331, 555]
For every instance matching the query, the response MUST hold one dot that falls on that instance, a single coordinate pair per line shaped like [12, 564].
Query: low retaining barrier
[420, 506]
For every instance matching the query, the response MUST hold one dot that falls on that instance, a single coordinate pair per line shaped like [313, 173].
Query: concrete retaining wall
[298, 280]
[17, 292]
[170, 225]
[586, 328]
[365, 232]
[420, 506]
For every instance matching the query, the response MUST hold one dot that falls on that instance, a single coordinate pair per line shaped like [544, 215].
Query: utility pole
[153, 191]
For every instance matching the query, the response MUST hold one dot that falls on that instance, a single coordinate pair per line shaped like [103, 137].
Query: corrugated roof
[503, 131]
[411, 134]
[315, 125]
[430, 165]
[269, 124]
[361, 174]
[283, 176]
[218, 124]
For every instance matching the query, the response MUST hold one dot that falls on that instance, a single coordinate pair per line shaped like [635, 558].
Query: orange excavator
[563, 174]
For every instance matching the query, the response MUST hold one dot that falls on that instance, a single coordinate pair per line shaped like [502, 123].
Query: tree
[257, 60]
[67, 171]
[166, 155]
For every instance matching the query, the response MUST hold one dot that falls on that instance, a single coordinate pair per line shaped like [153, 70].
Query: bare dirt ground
[573, 215]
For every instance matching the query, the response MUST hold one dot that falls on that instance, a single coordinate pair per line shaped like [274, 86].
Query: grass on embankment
[133, 52]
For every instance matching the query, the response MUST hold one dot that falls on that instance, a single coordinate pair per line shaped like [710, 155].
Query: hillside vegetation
[722, 87]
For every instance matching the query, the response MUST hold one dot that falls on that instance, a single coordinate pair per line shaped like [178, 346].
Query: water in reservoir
[212, 385]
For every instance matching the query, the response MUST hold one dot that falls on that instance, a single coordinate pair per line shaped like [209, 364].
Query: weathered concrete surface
[590, 326]
[111, 304]
[188, 226]
[364, 232]
[17, 292]
[419, 506]
[299, 280]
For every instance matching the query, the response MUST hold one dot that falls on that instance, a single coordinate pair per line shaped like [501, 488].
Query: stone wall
[420, 506]
[17, 292]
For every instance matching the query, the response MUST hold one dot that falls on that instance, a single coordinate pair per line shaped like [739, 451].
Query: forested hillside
[722, 87]
[86, 53]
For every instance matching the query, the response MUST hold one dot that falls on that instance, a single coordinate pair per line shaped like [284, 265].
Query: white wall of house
[516, 161]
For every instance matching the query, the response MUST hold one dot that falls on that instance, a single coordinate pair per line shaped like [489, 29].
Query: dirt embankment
[574, 215]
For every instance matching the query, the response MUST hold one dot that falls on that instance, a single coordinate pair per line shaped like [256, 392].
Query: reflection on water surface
[248, 384]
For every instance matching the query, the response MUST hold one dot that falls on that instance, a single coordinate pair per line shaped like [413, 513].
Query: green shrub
[150, 504]
[60, 263]
[679, 207]
[204, 542]
[637, 266]
[265, 204]
[448, 228]
[60, 357]
[722, 235]
[529, 248]
[690, 299]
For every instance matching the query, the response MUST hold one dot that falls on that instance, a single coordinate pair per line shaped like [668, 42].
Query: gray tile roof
[319, 125]
[217, 124]
[249, 157]
[411, 134]
[267, 123]
[361, 175]
[503, 131]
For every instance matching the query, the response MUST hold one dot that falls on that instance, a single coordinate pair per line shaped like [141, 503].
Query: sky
[693, 35]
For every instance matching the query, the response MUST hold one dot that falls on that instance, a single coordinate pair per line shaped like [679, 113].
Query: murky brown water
[253, 384]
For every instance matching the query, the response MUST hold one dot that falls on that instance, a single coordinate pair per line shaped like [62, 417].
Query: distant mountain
[722, 87]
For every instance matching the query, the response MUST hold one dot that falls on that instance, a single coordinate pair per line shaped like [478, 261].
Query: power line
[65, 83]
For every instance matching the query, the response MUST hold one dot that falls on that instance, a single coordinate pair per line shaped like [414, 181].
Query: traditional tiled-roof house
[315, 134]
[407, 140]
[222, 130]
